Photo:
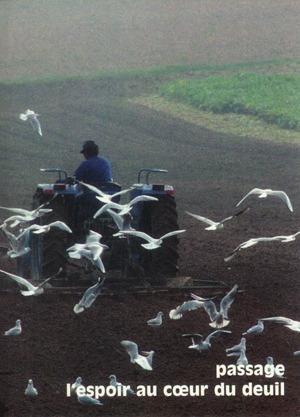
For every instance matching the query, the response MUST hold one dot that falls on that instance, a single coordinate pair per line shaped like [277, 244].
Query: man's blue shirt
[94, 169]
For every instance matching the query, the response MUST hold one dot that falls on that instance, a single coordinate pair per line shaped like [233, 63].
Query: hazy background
[43, 37]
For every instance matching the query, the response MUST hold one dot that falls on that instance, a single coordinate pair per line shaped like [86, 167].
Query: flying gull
[38, 229]
[32, 290]
[132, 349]
[200, 344]
[19, 245]
[32, 116]
[15, 331]
[153, 243]
[25, 215]
[89, 297]
[217, 225]
[255, 241]
[219, 319]
[104, 197]
[177, 312]
[264, 193]
[92, 249]
[123, 222]
[291, 324]
[124, 208]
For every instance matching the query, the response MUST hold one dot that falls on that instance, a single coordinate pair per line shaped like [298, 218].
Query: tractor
[49, 250]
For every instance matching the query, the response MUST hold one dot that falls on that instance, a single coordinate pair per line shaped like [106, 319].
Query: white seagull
[32, 290]
[132, 349]
[30, 390]
[270, 362]
[104, 197]
[92, 249]
[32, 116]
[89, 297]
[264, 193]
[25, 215]
[177, 312]
[289, 323]
[237, 348]
[124, 208]
[86, 253]
[153, 243]
[125, 389]
[258, 328]
[255, 241]
[76, 384]
[19, 245]
[217, 225]
[200, 344]
[15, 331]
[38, 229]
[242, 360]
[123, 222]
[87, 400]
[157, 321]
[219, 319]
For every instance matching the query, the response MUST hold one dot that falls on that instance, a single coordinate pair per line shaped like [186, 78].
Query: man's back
[94, 169]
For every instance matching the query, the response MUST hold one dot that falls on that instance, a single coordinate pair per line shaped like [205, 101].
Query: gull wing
[108, 206]
[46, 280]
[93, 237]
[211, 309]
[191, 305]
[61, 225]
[283, 320]
[106, 198]
[142, 198]
[196, 338]
[216, 334]
[254, 191]
[203, 219]
[117, 218]
[174, 233]
[131, 348]
[197, 297]
[17, 210]
[143, 362]
[228, 300]
[35, 124]
[136, 233]
[27, 230]
[284, 197]
[20, 280]
[235, 215]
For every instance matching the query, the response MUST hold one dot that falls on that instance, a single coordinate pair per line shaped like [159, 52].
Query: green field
[274, 98]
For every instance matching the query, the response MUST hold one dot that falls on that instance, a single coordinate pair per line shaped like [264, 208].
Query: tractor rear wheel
[48, 250]
[158, 219]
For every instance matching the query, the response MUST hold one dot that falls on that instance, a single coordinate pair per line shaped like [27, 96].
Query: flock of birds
[93, 249]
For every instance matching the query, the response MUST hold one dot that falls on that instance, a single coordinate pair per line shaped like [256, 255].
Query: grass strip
[275, 98]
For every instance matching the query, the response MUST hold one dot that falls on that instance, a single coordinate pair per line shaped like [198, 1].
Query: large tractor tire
[48, 250]
[159, 218]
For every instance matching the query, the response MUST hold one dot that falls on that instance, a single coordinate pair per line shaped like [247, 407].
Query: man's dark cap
[89, 146]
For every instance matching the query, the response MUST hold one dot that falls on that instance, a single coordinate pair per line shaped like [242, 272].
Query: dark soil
[210, 172]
